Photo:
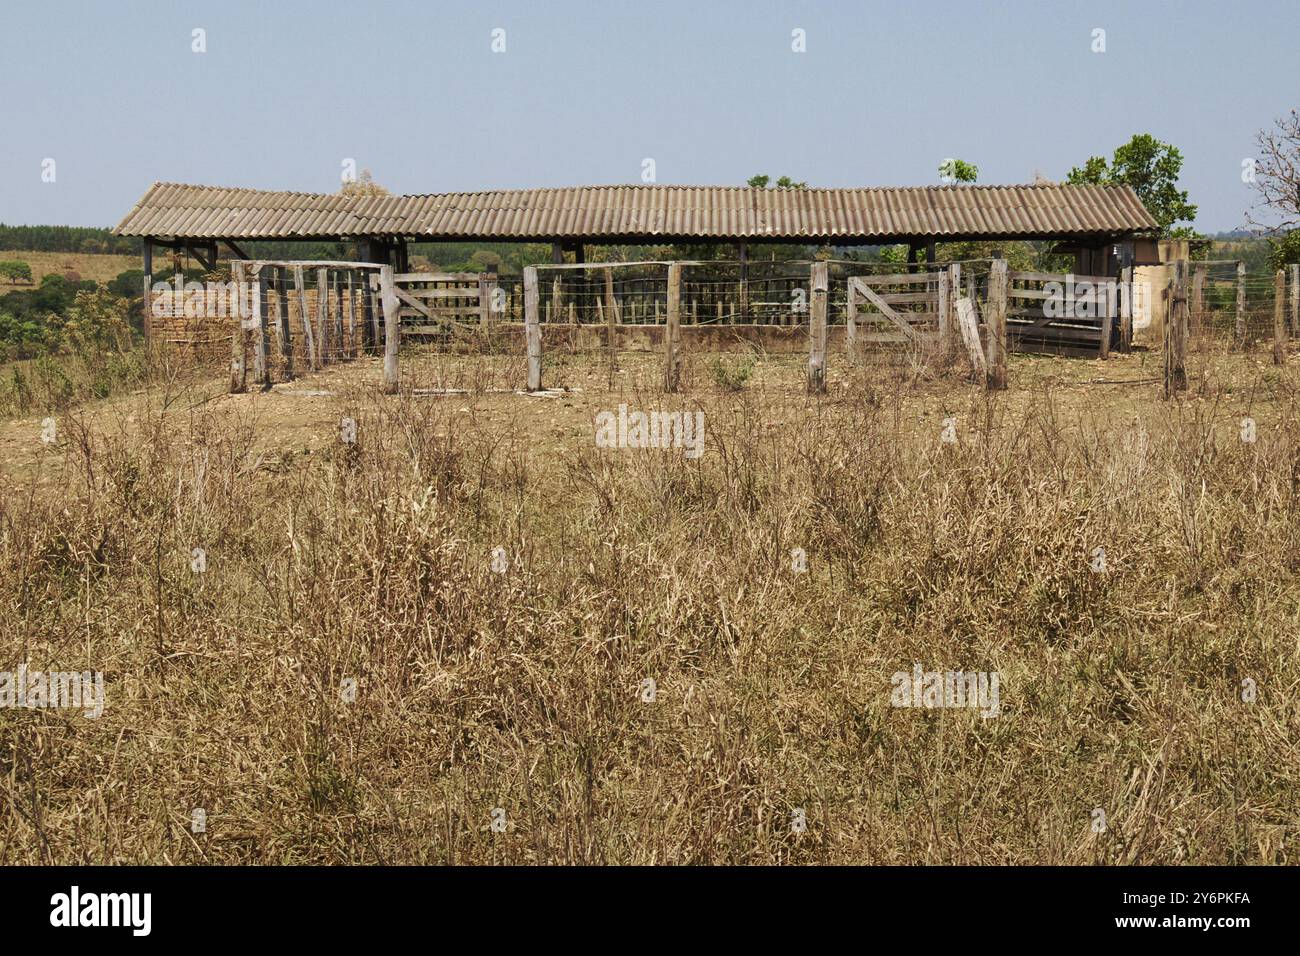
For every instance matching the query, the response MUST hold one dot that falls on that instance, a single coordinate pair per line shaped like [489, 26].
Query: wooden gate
[1062, 314]
[438, 303]
[902, 309]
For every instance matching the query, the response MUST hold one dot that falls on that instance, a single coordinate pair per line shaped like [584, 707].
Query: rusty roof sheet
[650, 213]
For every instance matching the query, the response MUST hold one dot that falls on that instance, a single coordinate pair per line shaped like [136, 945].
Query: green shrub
[731, 374]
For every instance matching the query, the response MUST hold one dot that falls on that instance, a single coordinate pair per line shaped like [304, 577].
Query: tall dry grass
[1120, 690]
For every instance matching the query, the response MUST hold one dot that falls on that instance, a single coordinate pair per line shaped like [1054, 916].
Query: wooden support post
[1126, 296]
[392, 328]
[238, 339]
[1241, 303]
[672, 331]
[851, 320]
[995, 317]
[1175, 379]
[286, 336]
[147, 301]
[323, 343]
[1279, 317]
[373, 309]
[1101, 297]
[309, 339]
[817, 329]
[262, 340]
[532, 329]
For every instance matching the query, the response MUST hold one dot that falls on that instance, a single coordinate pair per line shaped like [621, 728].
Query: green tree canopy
[958, 171]
[1151, 168]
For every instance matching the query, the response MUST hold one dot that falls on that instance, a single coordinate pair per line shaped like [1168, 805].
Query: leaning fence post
[532, 329]
[996, 319]
[392, 328]
[1279, 317]
[1176, 332]
[238, 341]
[672, 329]
[1241, 303]
[817, 329]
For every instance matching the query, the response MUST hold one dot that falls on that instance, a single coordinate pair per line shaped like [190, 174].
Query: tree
[1275, 177]
[364, 185]
[785, 182]
[1151, 168]
[958, 171]
[15, 270]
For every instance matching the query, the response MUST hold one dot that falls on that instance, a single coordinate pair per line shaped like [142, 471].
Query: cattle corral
[835, 309]
[366, 572]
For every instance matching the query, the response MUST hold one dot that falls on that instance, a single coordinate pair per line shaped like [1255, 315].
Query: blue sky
[711, 90]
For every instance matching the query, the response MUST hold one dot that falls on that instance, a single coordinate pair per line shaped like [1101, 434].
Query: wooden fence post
[484, 304]
[672, 329]
[262, 342]
[1101, 298]
[946, 306]
[1295, 300]
[352, 314]
[1176, 332]
[238, 341]
[611, 313]
[996, 320]
[969, 328]
[1126, 293]
[392, 328]
[374, 309]
[147, 301]
[851, 320]
[337, 286]
[817, 329]
[1279, 317]
[286, 337]
[532, 329]
[323, 343]
[300, 287]
[954, 293]
[1196, 317]
[1241, 303]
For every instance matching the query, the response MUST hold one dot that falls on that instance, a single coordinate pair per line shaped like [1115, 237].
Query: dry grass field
[517, 692]
[99, 267]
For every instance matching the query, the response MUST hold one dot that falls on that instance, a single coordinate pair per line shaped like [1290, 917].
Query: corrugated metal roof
[648, 212]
